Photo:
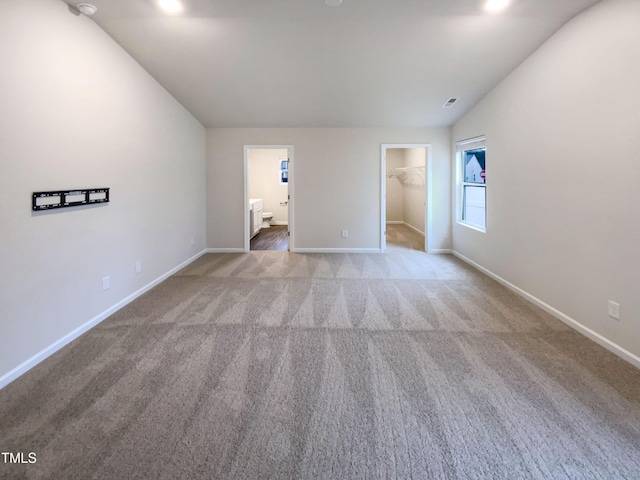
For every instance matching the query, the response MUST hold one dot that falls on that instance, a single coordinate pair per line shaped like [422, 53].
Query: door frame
[428, 234]
[289, 148]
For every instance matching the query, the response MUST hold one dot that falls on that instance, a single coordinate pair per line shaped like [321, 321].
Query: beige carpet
[271, 365]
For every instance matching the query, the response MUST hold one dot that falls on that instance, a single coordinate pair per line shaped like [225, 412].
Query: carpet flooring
[273, 365]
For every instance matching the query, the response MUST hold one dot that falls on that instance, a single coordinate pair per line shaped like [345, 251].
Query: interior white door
[289, 209]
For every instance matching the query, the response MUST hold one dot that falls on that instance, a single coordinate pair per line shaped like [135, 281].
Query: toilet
[266, 219]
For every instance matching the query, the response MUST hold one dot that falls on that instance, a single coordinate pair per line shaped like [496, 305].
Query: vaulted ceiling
[301, 63]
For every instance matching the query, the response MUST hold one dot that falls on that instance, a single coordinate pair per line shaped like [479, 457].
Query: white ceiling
[300, 63]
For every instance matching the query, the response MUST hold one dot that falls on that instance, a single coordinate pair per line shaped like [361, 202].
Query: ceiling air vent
[450, 102]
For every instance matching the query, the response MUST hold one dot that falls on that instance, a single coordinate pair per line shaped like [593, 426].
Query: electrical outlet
[446, 234]
[138, 266]
[614, 310]
[106, 283]
[345, 233]
[193, 240]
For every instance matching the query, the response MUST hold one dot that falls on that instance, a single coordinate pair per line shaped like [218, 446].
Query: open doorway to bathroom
[405, 200]
[268, 198]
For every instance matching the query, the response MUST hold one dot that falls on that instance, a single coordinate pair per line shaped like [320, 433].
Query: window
[472, 165]
[284, 170]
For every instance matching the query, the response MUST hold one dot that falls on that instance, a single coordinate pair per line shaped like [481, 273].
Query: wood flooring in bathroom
[399, 237]
[272, 238]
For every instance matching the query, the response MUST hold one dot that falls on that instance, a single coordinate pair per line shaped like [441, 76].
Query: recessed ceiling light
[496, 5]
[333, 3]
[171, 6]
[86, 8]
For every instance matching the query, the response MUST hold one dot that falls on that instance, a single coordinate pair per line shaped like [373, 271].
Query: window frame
[284, 171]
[463, 146]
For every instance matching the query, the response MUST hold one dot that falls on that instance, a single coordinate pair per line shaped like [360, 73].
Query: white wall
[336, 183]
[414, 191]
[264, 182]
[395, 195]
[78, 112]
[406, 199]
[562, 193]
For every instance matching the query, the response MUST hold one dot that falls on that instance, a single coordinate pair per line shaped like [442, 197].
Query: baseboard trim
[337, 250]
[224, 250]
[571, 322]
[440, 251]
[400, 222]
[414, 229]
[27, 365]
[280, 222]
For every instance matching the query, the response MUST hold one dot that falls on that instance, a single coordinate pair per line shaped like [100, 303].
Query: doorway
[406, 205]
[268, 197]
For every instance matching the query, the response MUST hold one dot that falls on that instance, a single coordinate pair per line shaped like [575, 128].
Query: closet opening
[405, 205]
[268, 197]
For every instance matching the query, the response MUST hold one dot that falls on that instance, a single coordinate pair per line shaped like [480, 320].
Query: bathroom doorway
[406, 216]
[268, 197]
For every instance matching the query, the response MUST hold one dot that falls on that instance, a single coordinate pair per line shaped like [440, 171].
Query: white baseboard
[414, 229]
[586, 331]
[420, 232]
[224, 250]
[69, 337]
[280, 222]
[400, 222]
[337, 250]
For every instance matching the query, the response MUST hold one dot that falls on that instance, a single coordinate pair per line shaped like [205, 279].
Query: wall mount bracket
[68, 198]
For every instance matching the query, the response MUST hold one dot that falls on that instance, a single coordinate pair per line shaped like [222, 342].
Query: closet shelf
[408, 175]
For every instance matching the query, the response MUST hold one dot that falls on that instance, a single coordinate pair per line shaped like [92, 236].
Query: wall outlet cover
[614, 310]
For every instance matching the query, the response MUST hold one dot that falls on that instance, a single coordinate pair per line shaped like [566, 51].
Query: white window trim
[462, 146]
[280, 172]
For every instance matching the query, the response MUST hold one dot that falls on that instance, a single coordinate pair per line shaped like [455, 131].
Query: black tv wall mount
[69, 198]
